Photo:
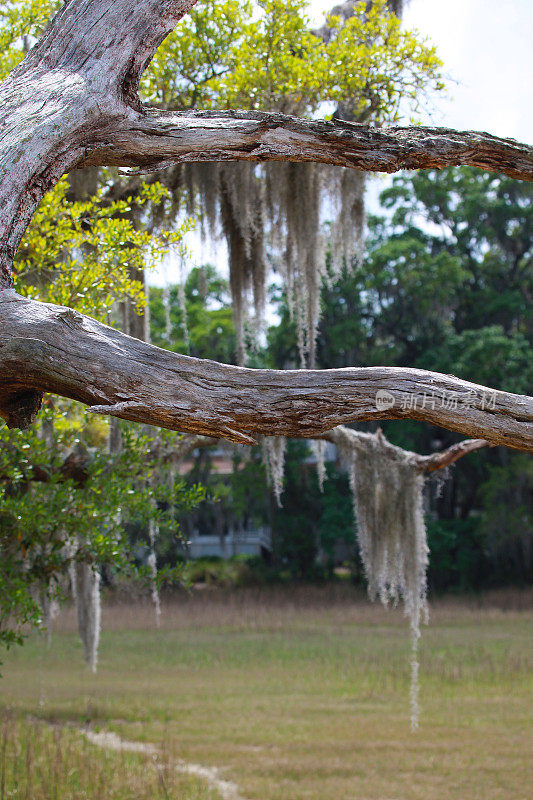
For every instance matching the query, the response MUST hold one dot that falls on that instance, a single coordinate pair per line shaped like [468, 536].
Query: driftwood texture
[49, 348]
[73, 102]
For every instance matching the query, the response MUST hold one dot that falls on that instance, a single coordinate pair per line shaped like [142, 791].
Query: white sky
[487, 47]
[487, 50]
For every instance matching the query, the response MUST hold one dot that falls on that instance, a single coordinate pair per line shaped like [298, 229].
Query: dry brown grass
[279, 606]
[302, 694]
[55, 762]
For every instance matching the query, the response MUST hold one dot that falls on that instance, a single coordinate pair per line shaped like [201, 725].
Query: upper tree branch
[156, 138]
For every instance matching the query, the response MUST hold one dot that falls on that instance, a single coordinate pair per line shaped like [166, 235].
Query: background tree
[445, 281]
[89, 114]
[65, 498]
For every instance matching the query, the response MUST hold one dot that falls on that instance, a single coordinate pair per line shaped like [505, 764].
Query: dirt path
[211, 775]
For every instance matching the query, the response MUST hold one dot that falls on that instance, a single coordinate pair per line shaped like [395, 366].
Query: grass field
[39, 761]
[302, 694]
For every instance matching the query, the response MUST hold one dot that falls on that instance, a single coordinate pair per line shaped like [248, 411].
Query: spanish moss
[153, 533]
[274, 460]
[49, 610]
[347, 188]
[388, 503]
[85, 579]
[318, 446]
[274, 215]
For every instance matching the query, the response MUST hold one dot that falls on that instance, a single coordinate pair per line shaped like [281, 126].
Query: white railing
[250, 542]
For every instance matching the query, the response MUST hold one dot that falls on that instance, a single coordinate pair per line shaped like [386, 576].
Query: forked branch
[431, 463]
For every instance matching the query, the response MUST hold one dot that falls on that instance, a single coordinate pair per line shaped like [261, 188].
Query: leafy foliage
[21, 23]
[50, 518]
[265, 56]
[200, 324]
[88, 254]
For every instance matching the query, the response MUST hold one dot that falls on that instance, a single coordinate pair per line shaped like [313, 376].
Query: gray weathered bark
[155, 139]
[72, 103]
[49, 348]
[431, 463]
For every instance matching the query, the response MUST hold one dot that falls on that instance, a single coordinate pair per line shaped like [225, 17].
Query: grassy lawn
[43, 762]
[303, 694]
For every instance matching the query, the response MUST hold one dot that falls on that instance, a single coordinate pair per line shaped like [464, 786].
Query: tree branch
[430, 463]
[180, 451]
[46, 348]
[73, 102]
[158, 138]
[452, 454]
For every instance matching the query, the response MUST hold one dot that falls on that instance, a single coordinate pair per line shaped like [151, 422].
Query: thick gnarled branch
[48, 348]
[155, 139]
